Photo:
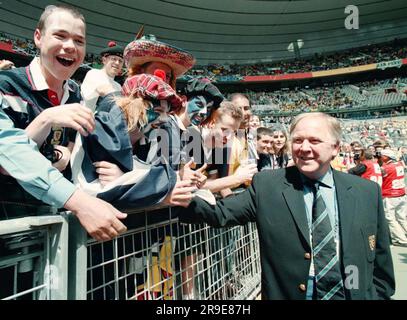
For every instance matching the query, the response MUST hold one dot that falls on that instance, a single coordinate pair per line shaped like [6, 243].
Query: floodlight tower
[295, 47]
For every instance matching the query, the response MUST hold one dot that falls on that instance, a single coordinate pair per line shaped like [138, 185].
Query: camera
[356, 156]
[378, 154]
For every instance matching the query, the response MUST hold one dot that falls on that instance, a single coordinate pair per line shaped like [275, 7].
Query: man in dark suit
[322, 233]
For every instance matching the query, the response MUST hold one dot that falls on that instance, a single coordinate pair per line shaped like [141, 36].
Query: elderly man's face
[313, 147]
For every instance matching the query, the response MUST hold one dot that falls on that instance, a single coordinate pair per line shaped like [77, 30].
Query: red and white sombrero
[148, 49]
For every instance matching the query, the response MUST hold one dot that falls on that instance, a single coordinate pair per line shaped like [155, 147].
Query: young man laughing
[40, 110]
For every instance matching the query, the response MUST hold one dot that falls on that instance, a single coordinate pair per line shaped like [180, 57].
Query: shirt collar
[37, 79]
[326, 180]
[105, 72]
[179, 122]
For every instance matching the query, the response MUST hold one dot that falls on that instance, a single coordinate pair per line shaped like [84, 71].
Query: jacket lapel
[294, 197]
[346, 207]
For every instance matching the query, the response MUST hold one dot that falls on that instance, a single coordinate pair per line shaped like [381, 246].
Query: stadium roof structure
[225, 31]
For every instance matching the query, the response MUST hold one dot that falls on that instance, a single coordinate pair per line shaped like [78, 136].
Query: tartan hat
[203, 87]
[151, 87]
[112, 50]
[148, 49]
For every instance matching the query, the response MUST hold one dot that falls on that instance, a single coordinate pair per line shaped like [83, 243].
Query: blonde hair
[134, 111]
[286, 148]
[226, 107]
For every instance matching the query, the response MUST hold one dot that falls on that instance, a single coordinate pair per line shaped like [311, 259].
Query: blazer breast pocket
[369, 240]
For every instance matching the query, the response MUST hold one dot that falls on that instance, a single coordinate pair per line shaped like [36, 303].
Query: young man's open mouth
[65, 61]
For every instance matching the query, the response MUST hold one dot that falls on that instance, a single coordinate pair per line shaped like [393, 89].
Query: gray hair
[333, 124]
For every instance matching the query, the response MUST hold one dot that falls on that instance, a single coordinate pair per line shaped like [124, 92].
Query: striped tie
[328, 279]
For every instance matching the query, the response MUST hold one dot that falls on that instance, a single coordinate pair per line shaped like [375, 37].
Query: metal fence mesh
[157, 258]
[172, 261]
[23, 259]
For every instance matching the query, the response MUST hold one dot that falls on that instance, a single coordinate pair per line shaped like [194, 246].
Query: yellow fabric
[337, 164]
[157, 282]
[154, 275]
[166, 265]
[166, 255]
[239, 152]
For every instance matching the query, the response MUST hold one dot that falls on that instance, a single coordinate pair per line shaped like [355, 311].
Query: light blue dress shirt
[328, 193]
[20, 157]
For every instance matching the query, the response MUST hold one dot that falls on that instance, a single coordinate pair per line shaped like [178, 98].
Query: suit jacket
[275, 202]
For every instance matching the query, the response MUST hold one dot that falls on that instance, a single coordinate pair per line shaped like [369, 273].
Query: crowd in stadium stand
[349, 58]
[395, 49]
[340, 96]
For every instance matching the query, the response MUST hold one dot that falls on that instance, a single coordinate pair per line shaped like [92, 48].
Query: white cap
[389, 153]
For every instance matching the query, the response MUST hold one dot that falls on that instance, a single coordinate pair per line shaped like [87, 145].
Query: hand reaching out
[201, 177]
[195, 176]
[181, 195]
[246, 173]
[75, 116]
[100, 219]
[107, 172]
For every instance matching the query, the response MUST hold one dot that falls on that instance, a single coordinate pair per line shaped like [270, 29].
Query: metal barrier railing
[34, 258]
[51, 257]
[168, 260]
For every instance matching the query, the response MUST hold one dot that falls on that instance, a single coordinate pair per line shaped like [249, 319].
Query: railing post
[58, 260]
[77, 269]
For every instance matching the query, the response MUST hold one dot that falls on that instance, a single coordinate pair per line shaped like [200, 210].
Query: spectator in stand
[243, 102]
[372, 149]
[379, 146]
[147, 54]
[244, 145]
[105, 163]
[394, 197]
[403, 156]
[365, 167]
[280, 149]
[180, 134]
[254, 122]
[95, 79]
[218, 136]
[44, 89]
[150, 56]
[218, 143]
[264, 147]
